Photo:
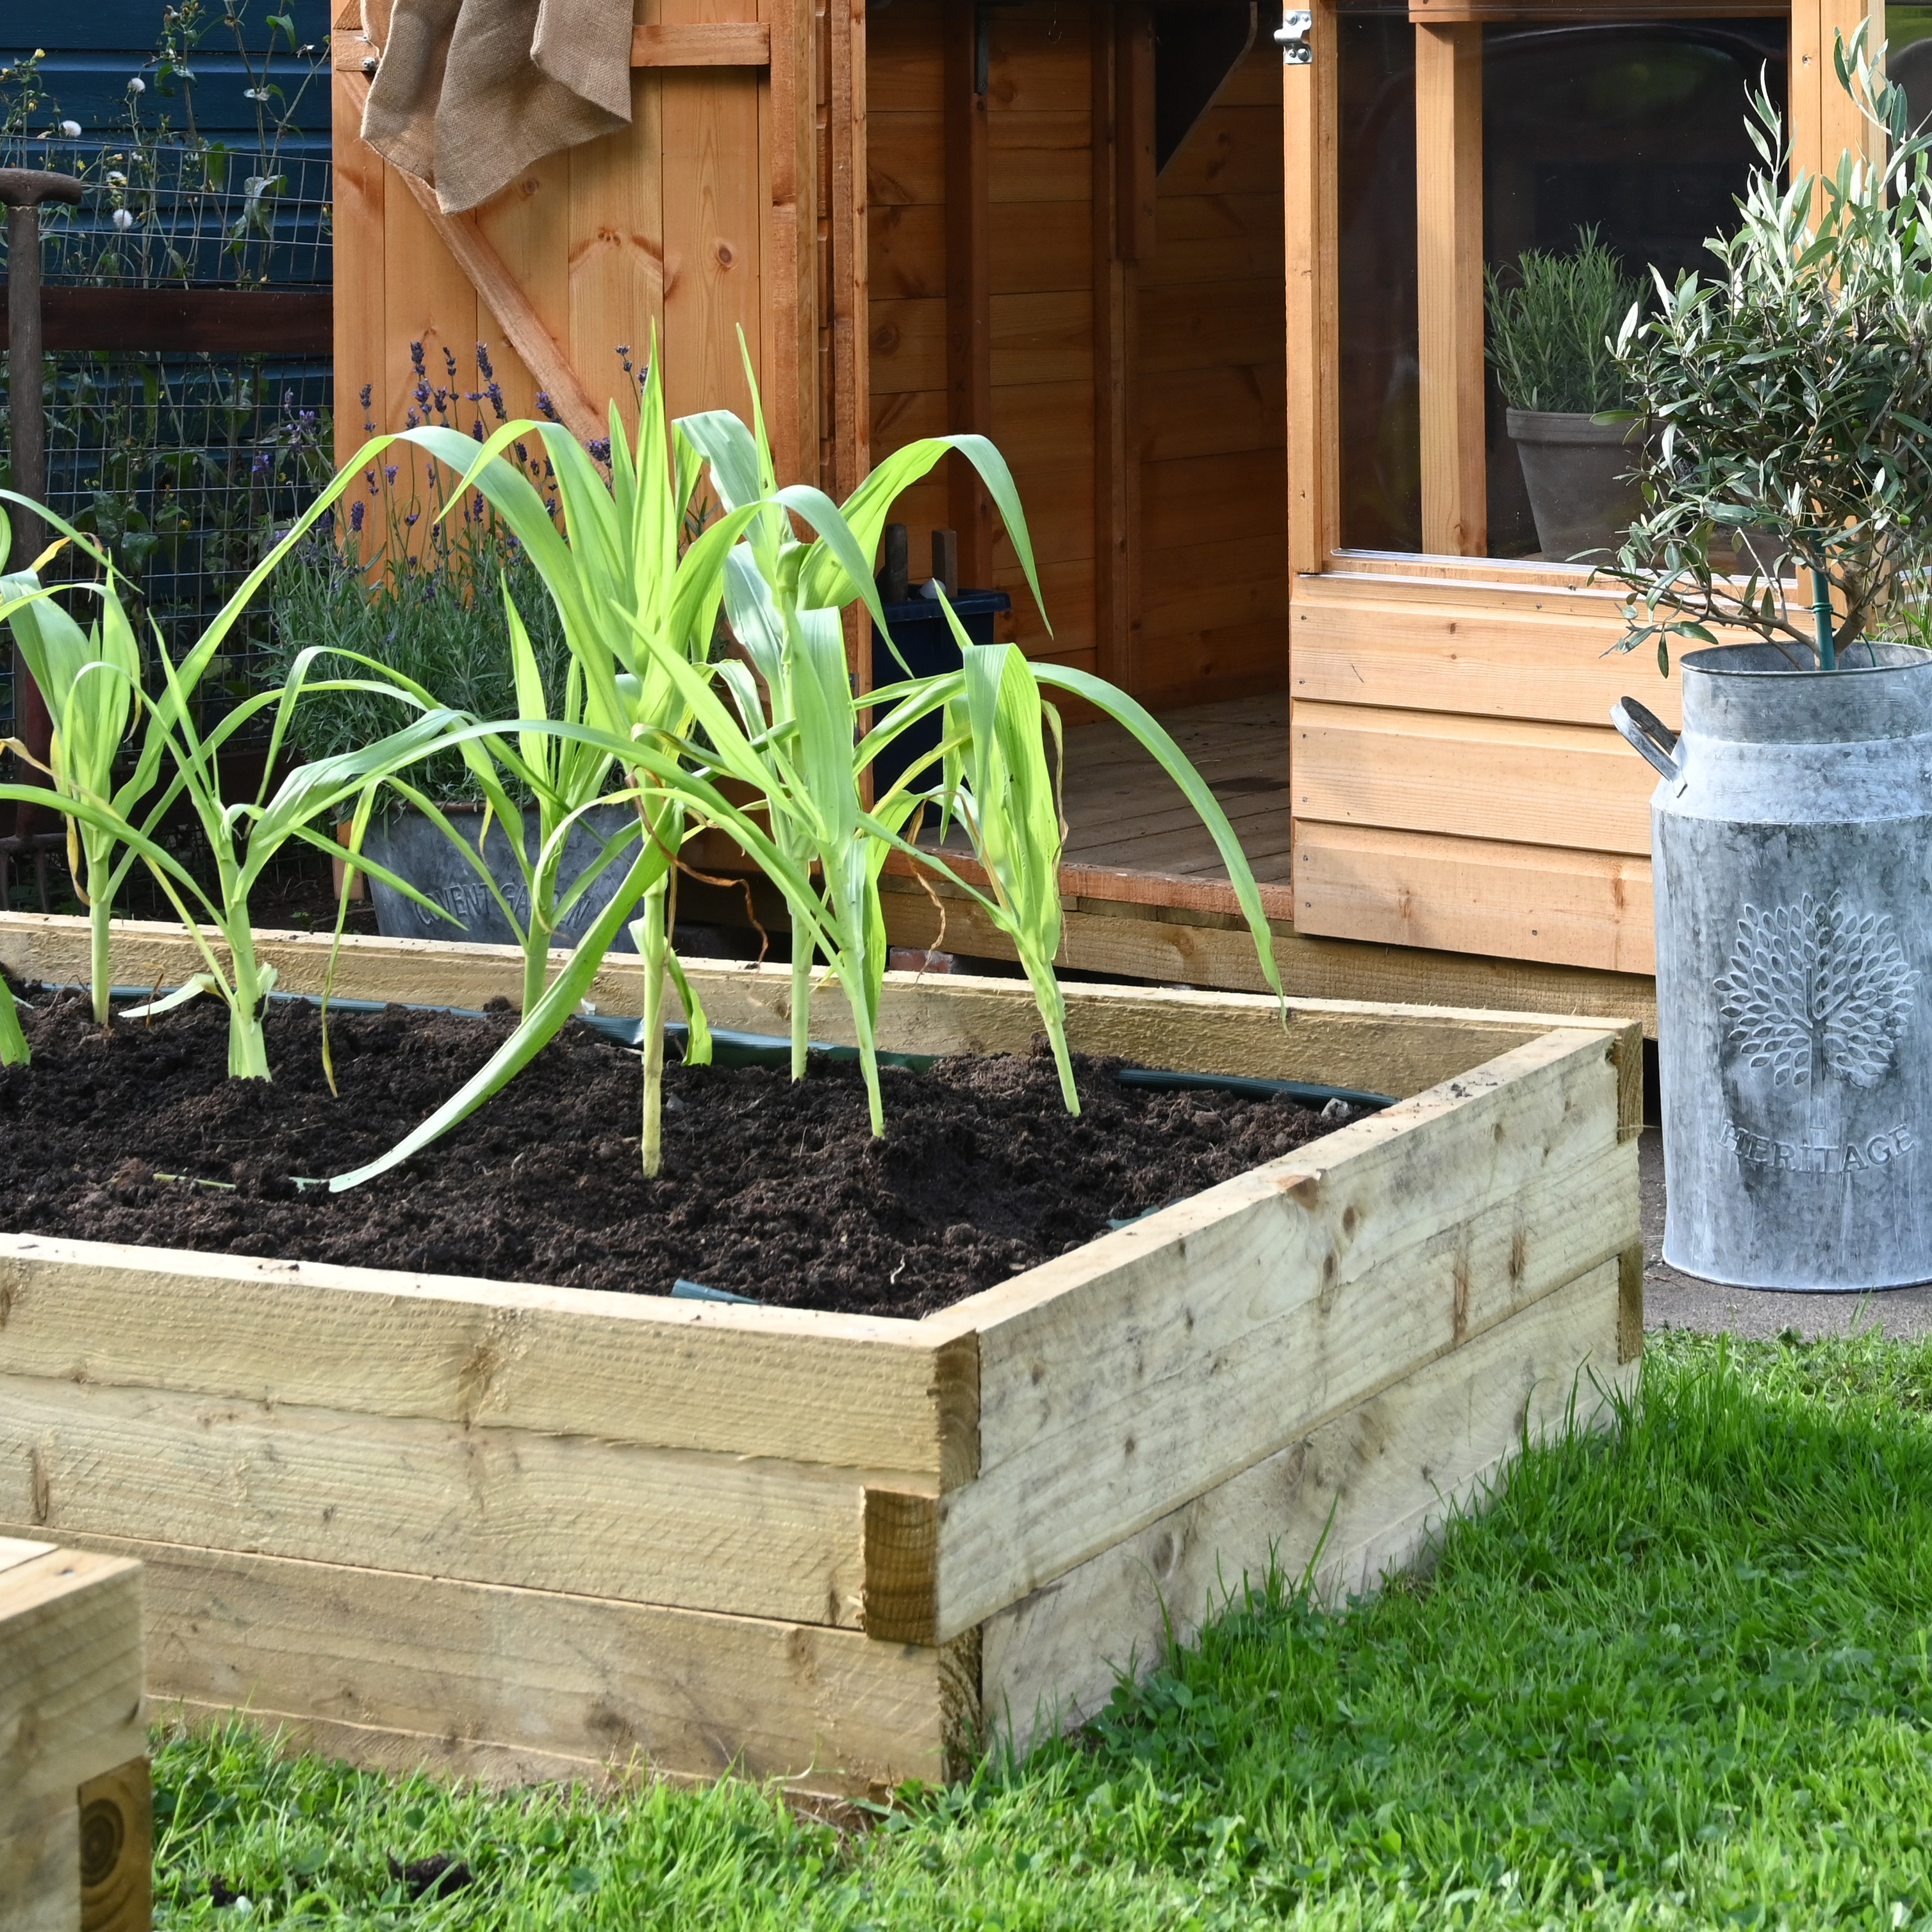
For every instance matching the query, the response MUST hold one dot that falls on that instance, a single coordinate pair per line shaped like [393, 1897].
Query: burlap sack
[470, 92]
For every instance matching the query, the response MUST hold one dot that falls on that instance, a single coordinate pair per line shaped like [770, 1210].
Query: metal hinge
[1292, 37]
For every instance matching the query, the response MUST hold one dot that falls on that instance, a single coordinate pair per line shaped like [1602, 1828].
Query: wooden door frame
[1822, 124]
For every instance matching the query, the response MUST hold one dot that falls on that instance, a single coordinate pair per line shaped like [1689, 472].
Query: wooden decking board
[1123, 812]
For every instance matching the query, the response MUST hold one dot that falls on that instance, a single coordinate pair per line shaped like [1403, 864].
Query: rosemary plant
[1552, 331]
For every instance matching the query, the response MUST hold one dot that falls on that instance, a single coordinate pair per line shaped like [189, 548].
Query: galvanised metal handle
[1647, 734]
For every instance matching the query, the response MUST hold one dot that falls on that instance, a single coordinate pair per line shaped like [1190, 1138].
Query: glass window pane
[1382, 461]
[1632, 130]
[1908, 36]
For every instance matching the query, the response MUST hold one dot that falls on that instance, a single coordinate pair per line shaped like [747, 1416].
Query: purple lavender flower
[416, 357]
[389, 471]
[483, 361]
[410, 518]
[495, 393]
[544, 404]
[476, 430]
[356, 510]
[599, 447]
[368, 392]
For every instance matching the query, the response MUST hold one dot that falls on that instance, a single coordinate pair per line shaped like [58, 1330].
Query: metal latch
[1292, 37]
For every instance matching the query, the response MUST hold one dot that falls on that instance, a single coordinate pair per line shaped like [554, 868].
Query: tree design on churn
[1815, 987]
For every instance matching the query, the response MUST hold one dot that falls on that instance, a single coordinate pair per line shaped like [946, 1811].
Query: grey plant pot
[1574, 469]
[414, 849]
[1794, 944]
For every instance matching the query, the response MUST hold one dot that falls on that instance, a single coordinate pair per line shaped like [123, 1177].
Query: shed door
[698, 220]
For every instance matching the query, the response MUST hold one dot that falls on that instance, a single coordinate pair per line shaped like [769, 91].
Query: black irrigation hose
[730, 1048]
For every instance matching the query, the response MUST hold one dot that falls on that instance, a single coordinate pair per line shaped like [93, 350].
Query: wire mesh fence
[182, 464]
[204, 214]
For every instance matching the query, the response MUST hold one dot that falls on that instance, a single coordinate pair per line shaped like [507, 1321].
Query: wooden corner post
[1449, 290]
[851, 328]
[1310, 106]
[969, 283]
[1115, 449]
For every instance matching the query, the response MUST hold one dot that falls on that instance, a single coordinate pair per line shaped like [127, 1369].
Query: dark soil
[770, 1189]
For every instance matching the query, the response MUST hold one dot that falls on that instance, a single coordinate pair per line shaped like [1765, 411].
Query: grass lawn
[1680, 1678]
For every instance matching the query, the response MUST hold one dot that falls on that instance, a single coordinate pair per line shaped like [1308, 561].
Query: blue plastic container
[926, 643]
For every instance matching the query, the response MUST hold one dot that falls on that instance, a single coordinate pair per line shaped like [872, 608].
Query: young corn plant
[243, 837]
[783, 596]
[637, 597]
[566, 779]
[638, 611]
[796, 725]
[91, 682]
[997, 784]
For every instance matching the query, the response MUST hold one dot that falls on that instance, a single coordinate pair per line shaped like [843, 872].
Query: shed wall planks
[700, 219]
[1209, 422]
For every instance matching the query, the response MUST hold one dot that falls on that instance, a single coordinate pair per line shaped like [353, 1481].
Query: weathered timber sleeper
[522, 1531]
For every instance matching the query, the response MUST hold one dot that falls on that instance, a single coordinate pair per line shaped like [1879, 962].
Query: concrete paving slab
[1674, 1301]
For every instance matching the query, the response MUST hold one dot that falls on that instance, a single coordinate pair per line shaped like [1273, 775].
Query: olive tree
[1787, 399]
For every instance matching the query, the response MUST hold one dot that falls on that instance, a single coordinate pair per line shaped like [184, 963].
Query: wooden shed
[1212, 277]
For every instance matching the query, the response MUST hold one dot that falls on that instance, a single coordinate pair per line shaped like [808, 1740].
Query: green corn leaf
[1141, 723]
[538, 1028]
[698, 1037]
[14, 1050]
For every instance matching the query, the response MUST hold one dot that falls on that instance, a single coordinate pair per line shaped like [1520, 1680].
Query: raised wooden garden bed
[76, 1820]
[524, 1531]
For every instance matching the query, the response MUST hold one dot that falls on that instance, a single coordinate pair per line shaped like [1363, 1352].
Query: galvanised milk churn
[1791, 835]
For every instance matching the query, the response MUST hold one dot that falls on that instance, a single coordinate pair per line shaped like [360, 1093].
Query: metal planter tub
[414, 849]
[1792, 833]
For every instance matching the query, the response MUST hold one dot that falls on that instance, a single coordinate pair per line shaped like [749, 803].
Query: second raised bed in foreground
[522, 1531]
